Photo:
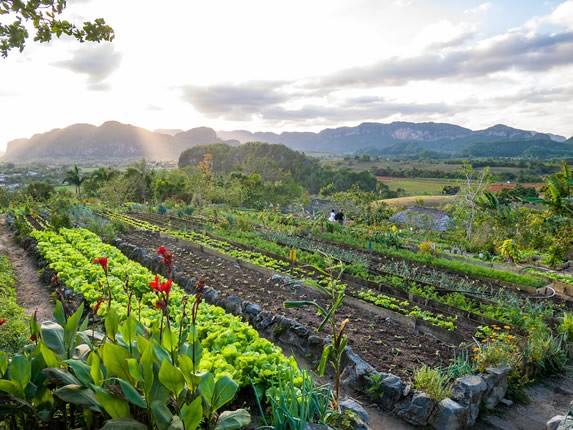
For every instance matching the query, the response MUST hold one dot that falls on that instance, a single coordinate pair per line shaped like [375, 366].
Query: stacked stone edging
[470, 392]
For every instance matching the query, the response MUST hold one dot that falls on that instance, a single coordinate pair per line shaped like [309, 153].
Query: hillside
[116, 141]
[110, 141]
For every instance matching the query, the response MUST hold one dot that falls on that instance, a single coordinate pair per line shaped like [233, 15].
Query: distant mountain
[430, 136]
[116, 141]
[110, 141]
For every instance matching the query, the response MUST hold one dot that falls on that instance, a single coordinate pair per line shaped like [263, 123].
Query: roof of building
[422, 217]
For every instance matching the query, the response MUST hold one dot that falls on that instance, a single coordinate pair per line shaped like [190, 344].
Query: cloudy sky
[303, 65]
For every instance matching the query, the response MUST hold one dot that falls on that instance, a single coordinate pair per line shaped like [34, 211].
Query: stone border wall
[470, 392]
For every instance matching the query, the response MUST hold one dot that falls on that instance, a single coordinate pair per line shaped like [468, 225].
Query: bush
[432, 382]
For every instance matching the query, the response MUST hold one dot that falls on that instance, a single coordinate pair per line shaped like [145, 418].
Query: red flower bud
[102, 261]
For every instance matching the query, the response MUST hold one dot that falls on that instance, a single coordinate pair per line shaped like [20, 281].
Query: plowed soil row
[384, 343]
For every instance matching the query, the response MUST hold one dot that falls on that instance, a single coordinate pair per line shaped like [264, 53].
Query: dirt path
[31, 293]
[549, 397]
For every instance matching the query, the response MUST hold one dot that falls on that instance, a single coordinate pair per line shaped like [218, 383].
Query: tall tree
[42, 15]
[73, 177]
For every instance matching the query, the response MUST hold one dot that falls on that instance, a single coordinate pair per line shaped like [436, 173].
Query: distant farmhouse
[430, 219]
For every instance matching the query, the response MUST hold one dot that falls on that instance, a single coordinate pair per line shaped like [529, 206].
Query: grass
[418, 187]
[428, 201]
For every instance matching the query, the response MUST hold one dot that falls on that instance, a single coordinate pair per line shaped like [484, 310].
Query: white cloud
[482, 8]
[299, 65]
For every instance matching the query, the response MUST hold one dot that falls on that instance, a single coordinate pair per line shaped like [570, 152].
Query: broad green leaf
[3, 363]
[297, 304]
[131, 394]
[71, 328]
[207, 387]
[128, 330]
[233, 420]
[111, 323]
[53, 337]
[124, 424]
[161, 353]
[9, 387]
[59, 313]
[225, 390]
[171, 377]
[49, 356]
[148, 374]
[20, 371]
[60, 377]
[113, 405]
[161, 413]
[142, 343]
[134, 370]
[192, 414]
[186, 367]
[324, 359]
[84, 325]
[114, 358]
[81, 370]
[80, 396]
[95, 370]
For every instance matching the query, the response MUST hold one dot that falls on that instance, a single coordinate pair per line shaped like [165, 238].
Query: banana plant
[335, 292]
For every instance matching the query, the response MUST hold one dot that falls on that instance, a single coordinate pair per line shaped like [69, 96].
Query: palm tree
[73, 178]
[558, 196]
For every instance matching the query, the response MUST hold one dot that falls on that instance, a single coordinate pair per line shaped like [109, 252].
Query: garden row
[402, 305]
[505, 306]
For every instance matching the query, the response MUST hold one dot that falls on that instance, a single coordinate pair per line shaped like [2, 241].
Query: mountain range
[116, 141]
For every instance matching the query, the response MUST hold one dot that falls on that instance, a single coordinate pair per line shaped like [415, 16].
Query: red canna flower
[2, 321]
[167, 258]
[33, 338]
[165, 287]
[155, 284]
[102, 261]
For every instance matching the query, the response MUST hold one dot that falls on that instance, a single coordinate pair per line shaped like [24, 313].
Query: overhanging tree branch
[16, 17]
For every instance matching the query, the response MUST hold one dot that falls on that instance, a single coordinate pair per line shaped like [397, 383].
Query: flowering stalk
[35, 330]
[162, 289]
[167, 260]
[199, 291]
[102, 261]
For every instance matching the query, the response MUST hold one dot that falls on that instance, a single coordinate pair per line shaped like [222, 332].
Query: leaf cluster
[42, 16]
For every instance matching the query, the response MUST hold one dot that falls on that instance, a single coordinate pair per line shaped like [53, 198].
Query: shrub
[432, 382]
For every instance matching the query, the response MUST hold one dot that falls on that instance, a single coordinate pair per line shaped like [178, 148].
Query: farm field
[400, 313]
[417, 187]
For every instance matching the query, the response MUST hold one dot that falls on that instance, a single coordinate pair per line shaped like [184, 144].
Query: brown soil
[384, 343]
[31, 293]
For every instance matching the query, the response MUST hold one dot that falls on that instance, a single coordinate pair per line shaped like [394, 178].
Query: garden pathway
[31, 293]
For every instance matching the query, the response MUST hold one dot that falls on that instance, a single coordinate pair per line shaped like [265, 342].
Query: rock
[506, 402]
[415, 409]
[449, 415]
[252, 309]
[554, 423]
[468, 391]
[355, 371]
[353, 406]
[496, 383]
[312, 426]
[566, 424]
[233, 305]
[385, 389]
[211, 295]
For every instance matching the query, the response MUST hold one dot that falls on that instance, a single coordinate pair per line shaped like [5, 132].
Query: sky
[299, 65]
